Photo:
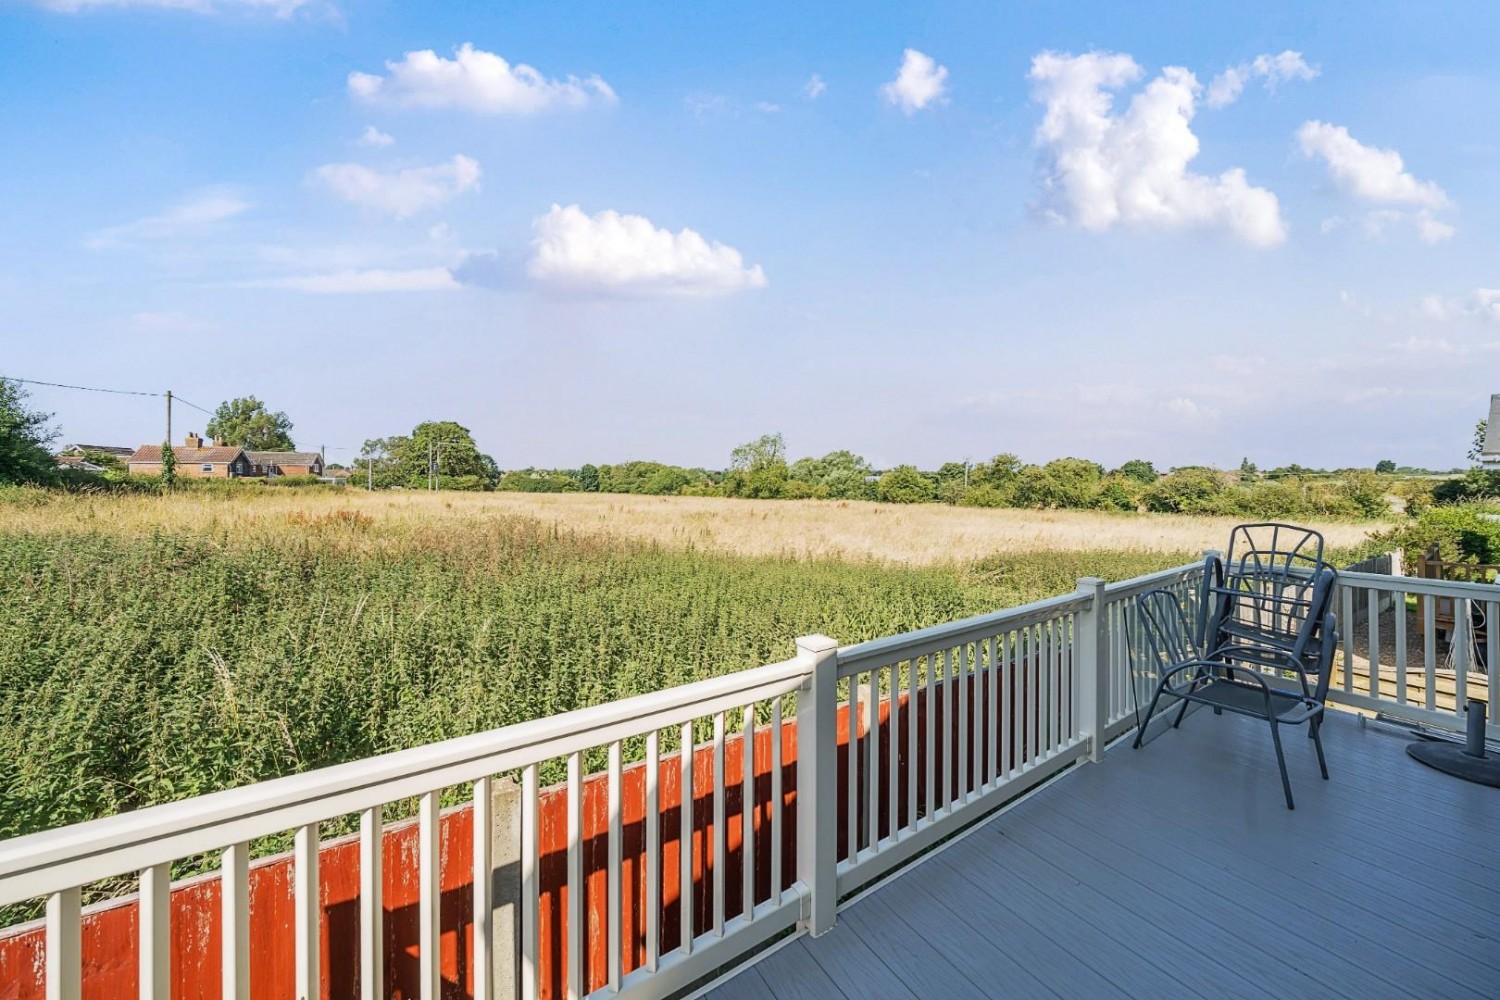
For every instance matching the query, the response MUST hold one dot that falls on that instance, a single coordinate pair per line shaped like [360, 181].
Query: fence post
[1093, 666]
[817, 781]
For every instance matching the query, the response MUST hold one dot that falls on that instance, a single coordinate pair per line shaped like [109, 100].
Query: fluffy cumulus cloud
[197, 213]
[400, 193]
[475, 80]
[1367, 172]
[919, 83]
[357, 281]
[279, 8]
[613, 254]
[1129, 169]
[1272, 71]
[372, 136]
[1378, 176]
[814, 87]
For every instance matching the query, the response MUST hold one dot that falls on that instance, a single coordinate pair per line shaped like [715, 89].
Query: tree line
[443, 453]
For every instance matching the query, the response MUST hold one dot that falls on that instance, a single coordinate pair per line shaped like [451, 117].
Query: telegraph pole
[169, 418]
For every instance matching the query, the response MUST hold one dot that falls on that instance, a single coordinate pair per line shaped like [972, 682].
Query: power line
[195, 406]
[85, 388]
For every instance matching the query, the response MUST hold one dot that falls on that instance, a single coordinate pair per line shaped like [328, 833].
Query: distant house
[77, 463]
[1489, 453]
[194, 461]
[285, 463]
[81, 450]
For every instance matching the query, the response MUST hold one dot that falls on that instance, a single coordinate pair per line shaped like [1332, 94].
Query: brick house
[285, 463]
[194, 461]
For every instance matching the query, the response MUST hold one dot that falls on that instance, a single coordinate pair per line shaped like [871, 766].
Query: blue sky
[923, 234]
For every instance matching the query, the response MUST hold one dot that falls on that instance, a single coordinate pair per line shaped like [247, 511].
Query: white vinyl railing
[1393, 658]
[900, 742]
[56, 864]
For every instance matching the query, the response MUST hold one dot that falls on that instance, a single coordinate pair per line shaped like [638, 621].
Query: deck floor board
[1130, 875]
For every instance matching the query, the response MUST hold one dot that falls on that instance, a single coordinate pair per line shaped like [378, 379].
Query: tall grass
[153, 648]
[140, 667]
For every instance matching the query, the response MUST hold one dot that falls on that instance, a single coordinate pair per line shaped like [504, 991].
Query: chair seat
[1250, 699]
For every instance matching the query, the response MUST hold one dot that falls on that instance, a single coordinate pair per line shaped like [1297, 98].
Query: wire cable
[85, 388]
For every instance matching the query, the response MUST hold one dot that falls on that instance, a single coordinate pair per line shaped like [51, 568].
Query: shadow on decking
[1176, 870]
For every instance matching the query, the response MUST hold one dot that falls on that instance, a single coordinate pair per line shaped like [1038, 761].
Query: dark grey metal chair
[1262, 644]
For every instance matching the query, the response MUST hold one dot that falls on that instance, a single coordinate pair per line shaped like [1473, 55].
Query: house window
[207, 467]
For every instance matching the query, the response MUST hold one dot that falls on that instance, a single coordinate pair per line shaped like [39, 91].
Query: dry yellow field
[920, 534]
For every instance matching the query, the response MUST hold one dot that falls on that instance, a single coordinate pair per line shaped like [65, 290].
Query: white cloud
[1130, 169]
[1367, 172]
[919, 82]
[1226, 88]
[1376, 175]
[280, 8]
[423, 279]
[814, 87]
[403, 193]
[372, 136]
[613, 254]
[198, 212]
[766, 107]
[475, 80]
[1481, 303]
[705, 106]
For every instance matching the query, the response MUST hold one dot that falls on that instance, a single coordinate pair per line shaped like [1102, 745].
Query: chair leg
[1147, 720]
[1317, 738]
[1183, 711]
[1286, 784]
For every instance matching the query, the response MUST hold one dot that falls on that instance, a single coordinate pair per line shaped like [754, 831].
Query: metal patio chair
[1263, 642]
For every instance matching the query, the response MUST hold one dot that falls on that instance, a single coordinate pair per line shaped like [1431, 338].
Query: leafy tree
[1062, 482]
[246, 423]
[1385, 466]
[841, 475]
[1248, 472]
[588, 479]
[1476, 449]
[450, 446]
[1139, 470]
[904, 484]
[24, 437]
[758, 468]
[1186, 491]
[764, 452]
[951, 471]
[1000, 472]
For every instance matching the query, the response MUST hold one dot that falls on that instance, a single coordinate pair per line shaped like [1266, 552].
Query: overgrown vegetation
[141, 669]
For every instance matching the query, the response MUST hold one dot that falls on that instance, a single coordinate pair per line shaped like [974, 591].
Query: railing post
[817, 781]
[1093, 666]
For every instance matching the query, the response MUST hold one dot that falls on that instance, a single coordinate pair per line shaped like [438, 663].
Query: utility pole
[169, 418]
[370, 472]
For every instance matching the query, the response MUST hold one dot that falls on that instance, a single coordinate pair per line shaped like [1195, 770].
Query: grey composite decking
[1176, 870]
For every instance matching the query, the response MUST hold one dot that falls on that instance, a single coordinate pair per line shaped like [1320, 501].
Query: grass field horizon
[848, 530]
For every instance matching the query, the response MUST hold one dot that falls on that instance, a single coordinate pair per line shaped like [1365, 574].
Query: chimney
[192, 440]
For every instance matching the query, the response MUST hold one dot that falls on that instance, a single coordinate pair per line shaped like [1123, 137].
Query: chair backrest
[1272, 589]
[1171, 634]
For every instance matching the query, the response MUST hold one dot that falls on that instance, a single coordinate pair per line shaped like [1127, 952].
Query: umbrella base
[1451, 759]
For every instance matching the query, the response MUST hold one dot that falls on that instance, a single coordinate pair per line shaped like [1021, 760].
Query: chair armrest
[1265, 656]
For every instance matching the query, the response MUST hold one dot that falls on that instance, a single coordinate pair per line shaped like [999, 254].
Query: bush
[1187, 491]
[983, 496]
[904, 484]
[1464, 533]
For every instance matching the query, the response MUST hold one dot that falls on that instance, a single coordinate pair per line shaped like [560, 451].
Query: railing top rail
[1141, 584]
[52, 860]
[894, 648]
[1422, 585]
